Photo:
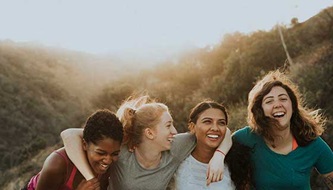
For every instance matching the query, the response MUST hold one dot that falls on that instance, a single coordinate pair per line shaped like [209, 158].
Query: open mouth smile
[279, 114]
[213, 136]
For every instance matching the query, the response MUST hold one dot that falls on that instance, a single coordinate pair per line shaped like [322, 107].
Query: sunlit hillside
[47, 91]
[43, 91]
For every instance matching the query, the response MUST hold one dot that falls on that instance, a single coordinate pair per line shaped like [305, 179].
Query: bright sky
[143, 26]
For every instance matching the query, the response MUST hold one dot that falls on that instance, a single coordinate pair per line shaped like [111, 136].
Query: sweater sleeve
[183, 145]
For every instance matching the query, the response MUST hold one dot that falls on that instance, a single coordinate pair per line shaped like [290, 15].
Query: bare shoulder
[54, 172]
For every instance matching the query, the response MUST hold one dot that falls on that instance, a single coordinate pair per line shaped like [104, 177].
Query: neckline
[294, 144]
[149, 169]
[294, 147]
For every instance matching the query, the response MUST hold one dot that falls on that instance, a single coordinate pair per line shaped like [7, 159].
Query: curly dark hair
[102, 124]
[240, 166]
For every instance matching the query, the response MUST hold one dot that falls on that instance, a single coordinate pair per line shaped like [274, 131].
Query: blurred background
[60, 61]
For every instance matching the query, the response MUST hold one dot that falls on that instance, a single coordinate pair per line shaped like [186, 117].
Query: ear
[149, 133]
[191, 127]
[84, 145]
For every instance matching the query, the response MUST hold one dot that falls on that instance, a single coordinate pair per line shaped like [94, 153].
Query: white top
[191, 174]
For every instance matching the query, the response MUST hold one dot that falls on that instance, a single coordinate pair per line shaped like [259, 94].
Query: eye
[100, 153]
[115, 154]
[284, 99]
[268, 101]
[222, 123]
[206, 121]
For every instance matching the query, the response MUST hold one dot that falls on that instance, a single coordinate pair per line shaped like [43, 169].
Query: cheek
[290, 107]
[94, 157]
[266, 110]
[115, 158]
[223, 130]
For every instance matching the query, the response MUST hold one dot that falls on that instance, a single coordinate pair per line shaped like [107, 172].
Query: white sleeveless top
[191, 175]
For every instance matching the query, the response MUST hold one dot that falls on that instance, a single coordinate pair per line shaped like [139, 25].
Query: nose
[214, 127]
[173, 130]
[277, 105]
[108, 159]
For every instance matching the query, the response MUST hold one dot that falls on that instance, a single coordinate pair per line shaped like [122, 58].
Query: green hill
[43, 91]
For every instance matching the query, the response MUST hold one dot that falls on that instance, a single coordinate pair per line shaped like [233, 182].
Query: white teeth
[213, 136]
[104, 166]
[278, 114]
[170, 140]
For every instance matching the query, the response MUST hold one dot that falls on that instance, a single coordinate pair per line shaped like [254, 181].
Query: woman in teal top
[285, 136]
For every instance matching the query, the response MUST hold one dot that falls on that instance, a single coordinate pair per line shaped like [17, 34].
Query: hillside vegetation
[41, 92]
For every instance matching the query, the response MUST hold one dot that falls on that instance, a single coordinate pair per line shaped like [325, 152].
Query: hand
[215, 168]
[92, 184]
[216, 164]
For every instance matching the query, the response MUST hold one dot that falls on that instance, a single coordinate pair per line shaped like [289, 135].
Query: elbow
[65, 134]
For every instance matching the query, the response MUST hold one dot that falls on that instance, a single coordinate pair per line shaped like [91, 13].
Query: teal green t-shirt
[291, 171]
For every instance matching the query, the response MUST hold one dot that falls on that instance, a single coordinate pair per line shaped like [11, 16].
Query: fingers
[209, 179]
[92, 184]
[214, 176]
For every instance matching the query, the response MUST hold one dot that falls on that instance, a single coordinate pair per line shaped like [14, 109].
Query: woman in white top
[208, 122]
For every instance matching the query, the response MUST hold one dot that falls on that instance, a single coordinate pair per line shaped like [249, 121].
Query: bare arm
[53, 173]
[72, 139]
[216, 164]
[328, 178]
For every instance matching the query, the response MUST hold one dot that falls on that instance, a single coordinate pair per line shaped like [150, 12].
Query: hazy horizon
[147, 28]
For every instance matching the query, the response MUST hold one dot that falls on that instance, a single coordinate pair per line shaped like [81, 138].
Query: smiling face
[164, 131]
[277, 104]
[102, 154]
[210, 128]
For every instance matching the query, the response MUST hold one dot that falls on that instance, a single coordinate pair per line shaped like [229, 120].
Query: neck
[282, 141]
[147, 157]
[203, 154]
[282, 136]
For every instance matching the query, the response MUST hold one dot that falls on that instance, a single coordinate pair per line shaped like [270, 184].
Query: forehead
[276, 90]
[106, 144]
[166, 117]
[212, 113]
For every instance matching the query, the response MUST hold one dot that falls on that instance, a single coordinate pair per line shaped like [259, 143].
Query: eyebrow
[171, 121]
[106, 151]
[212, 118]
[273, 96]
[116, 151]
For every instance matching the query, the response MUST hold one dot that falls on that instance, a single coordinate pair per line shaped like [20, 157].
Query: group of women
[278, 150]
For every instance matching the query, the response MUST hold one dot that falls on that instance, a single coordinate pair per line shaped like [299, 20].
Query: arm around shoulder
[216, 163]
[72, 139]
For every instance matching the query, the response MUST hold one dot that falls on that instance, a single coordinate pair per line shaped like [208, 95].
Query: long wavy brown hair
[305, 124]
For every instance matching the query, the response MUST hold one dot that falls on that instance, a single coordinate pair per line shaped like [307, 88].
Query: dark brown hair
[305, 124]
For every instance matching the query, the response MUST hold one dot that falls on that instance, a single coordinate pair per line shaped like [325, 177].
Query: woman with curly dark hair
[102, 137]
[284, 135]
